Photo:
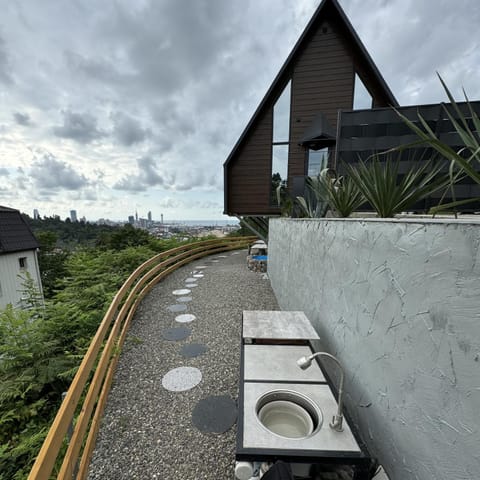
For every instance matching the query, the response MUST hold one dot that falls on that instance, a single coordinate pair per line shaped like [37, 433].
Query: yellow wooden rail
[115, 323]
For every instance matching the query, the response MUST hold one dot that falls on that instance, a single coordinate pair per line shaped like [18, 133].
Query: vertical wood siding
[11, 283]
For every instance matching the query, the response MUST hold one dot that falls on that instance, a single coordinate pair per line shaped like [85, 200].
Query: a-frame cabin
[294, 128]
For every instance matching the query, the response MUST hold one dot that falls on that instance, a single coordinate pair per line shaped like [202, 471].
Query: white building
[18, 255]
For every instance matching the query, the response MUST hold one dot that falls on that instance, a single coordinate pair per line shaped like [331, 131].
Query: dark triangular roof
[366, 60]
[15, 234]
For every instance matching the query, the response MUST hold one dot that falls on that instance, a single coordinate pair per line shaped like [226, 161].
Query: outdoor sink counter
[272, 342]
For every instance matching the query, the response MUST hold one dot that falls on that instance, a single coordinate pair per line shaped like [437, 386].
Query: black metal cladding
[362, 133]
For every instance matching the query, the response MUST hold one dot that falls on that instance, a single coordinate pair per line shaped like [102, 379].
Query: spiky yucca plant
[344, 196]
[315, 202]
[387, 192]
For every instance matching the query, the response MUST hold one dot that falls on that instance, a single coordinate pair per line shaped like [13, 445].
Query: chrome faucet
[305, 362]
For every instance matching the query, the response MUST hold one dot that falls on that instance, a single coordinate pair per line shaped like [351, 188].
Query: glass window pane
[281, 116]
[317, 161]
[279, 169]
[361, 98]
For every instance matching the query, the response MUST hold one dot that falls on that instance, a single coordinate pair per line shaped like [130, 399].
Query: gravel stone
[147, 431]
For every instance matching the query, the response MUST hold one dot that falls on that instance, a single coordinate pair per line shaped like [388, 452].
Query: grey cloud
[172, 44]
[79, 127]
[5, 74]
[146, 177]
[51, 174]
[96, 68]
[191, 179]
[4, 172]
[127, 130]
[22, 118]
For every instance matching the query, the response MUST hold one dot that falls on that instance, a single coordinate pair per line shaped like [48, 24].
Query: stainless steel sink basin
[288, 414]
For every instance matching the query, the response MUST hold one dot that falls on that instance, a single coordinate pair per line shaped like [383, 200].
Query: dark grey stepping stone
[184, 299]
[193, 350]
[176, 333]
[215, 414]
[179, 307]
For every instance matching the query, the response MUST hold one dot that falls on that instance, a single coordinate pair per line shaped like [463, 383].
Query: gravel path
[147, 430]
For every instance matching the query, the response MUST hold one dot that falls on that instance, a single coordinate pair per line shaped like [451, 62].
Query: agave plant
[315, 202]
[466, 160]
[344, 196]
[387, 192]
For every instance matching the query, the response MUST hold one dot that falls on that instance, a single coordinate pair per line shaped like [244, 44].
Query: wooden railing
[101, 359]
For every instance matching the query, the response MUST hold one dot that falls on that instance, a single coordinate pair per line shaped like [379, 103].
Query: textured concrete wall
[399, 303]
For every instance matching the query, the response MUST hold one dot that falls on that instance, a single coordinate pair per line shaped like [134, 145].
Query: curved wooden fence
[94, 376]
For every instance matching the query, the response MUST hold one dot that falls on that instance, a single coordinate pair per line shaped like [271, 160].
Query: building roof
[15, 234]
[287, 66]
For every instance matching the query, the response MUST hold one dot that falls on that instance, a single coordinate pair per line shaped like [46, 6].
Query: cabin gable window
[361, 96]
[280, 142]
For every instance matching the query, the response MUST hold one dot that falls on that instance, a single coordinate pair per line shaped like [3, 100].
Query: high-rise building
[131, 219]
[36, 215]
[149, 216]
[73, 215]
[161, 216]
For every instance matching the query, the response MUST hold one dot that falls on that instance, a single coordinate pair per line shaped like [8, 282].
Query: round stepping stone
[176, 333]
[179, 307]
[193, 350]
[190, 279]
[215, 414]
[192, 285]
[184, 299]
[181, 379]
[185, 318]
[215, 261]
[199, 275]
[181, 291]
[221, 256]
[201, 267]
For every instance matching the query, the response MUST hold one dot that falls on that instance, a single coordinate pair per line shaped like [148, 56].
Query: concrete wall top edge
[421, 221]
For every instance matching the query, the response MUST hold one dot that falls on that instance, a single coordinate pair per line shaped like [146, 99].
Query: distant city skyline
[116, 106]
[72, 215]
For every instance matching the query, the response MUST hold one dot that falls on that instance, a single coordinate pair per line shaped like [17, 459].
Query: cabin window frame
[280, 141]
[22, 262]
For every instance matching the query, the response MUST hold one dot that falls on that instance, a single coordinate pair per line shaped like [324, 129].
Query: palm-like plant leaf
[466, 158]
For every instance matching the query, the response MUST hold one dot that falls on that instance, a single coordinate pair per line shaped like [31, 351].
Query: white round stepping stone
[190, 279]
[221, 256]
[191, 285]
[216, 261]
[184, 299]
[201, 267]
[181, 291]
[185, 318]
[199, 275]
[181, 379]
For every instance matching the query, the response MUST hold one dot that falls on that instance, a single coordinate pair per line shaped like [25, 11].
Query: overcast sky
[108, 107]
